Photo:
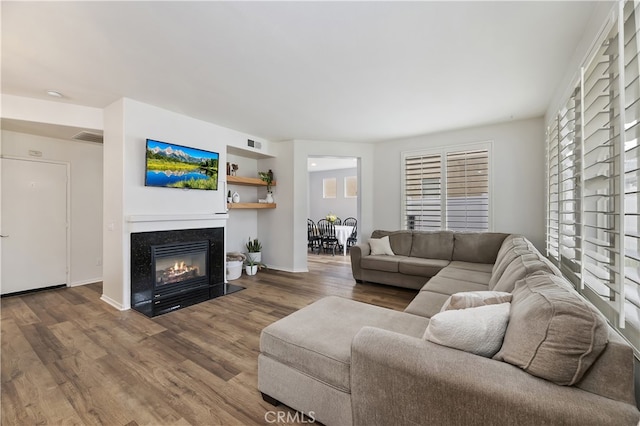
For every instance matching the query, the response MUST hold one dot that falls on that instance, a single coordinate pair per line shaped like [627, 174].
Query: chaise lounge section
[345, 362]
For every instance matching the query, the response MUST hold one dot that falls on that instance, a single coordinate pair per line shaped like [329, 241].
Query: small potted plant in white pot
[251, 266]
[254, 250]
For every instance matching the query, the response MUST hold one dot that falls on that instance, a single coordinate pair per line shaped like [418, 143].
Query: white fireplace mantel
[175, 217]
[161, 222]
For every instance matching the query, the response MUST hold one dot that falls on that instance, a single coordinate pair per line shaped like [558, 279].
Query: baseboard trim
[113, 303]
[85, 282]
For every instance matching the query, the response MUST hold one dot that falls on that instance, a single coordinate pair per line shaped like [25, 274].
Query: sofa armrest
[357, 252]
[398, 379]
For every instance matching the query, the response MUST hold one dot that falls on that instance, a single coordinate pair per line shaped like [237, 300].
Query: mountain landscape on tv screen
[176, 166]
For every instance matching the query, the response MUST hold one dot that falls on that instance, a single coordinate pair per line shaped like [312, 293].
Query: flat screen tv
[176, 166]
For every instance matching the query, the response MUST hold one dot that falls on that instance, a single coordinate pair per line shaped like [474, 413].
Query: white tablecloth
[343, 232]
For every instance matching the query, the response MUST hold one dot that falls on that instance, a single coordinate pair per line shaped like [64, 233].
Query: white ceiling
[341, 71]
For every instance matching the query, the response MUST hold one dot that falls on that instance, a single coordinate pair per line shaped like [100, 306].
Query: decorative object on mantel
[254, 249]
[331, 217]
[235, 197]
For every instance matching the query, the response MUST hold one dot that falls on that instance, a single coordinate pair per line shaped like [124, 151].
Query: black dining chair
[328, 235]
[314, 239]
[353, 238]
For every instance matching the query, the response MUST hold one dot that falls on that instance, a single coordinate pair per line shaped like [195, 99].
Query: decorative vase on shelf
[269, 197]
[229, 199]
[235, 197]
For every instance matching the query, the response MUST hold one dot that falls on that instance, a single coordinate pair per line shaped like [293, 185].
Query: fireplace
[175, 269]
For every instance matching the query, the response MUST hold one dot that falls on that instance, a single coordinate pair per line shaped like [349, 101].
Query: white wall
[342, 207]
[517, 167]
[127, 125]
[85, 161]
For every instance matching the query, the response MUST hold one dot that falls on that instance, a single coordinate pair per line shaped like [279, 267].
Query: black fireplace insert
[175, 269]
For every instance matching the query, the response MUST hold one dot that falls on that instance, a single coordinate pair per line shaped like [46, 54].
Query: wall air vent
[254, 144]
[89, 137]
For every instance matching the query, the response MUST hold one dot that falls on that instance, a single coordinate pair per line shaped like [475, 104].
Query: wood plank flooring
[69, 358]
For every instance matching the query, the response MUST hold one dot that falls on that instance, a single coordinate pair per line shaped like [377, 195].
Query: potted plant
[267, 177]
[254, 250]
[251, 266]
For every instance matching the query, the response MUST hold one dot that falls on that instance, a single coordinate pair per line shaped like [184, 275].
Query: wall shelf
[251, 205]
[247, 181]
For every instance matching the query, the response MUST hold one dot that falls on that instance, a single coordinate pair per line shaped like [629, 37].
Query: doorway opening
[332, 196]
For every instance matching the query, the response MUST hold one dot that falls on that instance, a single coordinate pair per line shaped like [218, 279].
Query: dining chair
[314, 240]
[353, 238]
[328, 235]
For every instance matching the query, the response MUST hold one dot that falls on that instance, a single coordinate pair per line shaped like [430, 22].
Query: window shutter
[569, 168]
[630, 314]
[553, 209]
[468, 190]
[423, 192]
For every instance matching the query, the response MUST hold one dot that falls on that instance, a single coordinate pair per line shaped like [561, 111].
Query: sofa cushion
[472, 299]
[521, 266]
[400, 240]
[472, 266]
[478, 247]
[380, 246]
[316, 340]
[423, 267]
[510, 242]
[381, 263]
[553, 332]
[449, 286]
[466, 275]
[426, 304]
[432, 245]
[478, 330]
[504, 261]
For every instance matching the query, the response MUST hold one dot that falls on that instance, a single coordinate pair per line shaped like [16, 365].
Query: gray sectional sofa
[345, 362]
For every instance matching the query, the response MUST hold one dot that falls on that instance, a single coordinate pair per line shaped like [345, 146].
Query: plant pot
[255, 256]
[251, 269]
[269, 197]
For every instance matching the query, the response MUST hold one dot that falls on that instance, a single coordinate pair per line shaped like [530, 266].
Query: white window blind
[468, 190]
[448, 189]
[423, 192]
[593, 200]
[553, 205]
[630, 317]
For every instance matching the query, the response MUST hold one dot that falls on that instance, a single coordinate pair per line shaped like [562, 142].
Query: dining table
[343, 232]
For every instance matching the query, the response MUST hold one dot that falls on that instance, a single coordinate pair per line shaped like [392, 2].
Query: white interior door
[33, 225]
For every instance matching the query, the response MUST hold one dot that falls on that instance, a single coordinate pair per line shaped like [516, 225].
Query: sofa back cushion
[526, 263]
[400, 240]
[553, 332]
[478, 247]
[432, 245]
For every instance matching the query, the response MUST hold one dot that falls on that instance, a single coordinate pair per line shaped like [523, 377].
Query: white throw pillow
[472, 299]
[381, 246]
[477, 330]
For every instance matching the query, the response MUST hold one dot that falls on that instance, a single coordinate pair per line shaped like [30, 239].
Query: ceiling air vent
[88, 137]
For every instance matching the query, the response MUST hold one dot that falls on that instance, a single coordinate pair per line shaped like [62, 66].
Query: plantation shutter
[423, 192]
[468, 190]
[601, 243]
[570, 163]
[629, 316]
[553, 209]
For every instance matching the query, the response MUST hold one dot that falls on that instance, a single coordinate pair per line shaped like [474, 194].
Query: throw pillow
[381, 246]
[477, 330]
[472, 299]
[553, 332]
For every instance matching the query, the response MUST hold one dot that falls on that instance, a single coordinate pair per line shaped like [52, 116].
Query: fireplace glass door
[179, 264]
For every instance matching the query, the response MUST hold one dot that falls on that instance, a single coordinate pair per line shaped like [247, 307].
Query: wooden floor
[69, 358]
